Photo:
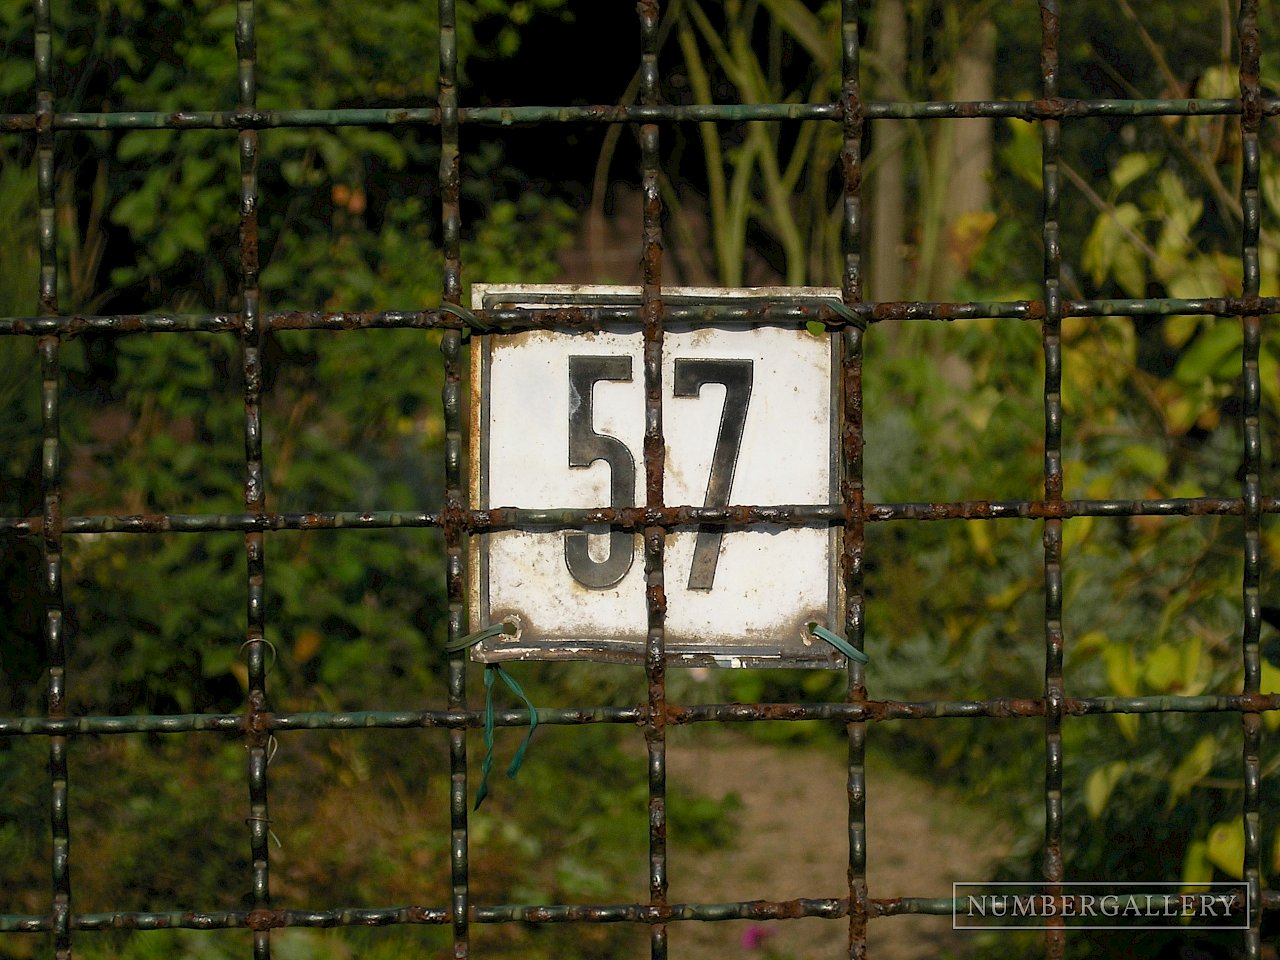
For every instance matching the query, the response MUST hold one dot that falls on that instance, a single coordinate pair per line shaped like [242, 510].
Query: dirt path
[792, 844]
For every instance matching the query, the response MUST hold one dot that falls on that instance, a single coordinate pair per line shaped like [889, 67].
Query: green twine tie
[470, 320]
[491, 671]
[841, 309]
[839, 642]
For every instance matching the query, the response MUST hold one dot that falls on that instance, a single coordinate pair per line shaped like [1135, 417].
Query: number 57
[587, 445]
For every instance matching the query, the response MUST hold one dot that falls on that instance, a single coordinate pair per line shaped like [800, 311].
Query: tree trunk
[968, 190]
[886, 278]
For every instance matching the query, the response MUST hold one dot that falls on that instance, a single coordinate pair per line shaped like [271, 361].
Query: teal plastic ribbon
[839, 642]
[493, 671]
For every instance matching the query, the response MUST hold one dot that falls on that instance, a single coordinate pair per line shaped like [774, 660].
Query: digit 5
[586, 446]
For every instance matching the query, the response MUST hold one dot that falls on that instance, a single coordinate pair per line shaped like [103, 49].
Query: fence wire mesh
[853, 323]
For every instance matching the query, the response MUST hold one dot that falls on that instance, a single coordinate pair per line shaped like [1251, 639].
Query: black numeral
[586, 446]
[736, 375]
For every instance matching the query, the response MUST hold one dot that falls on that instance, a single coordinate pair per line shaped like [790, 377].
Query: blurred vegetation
[154, 423]
[350, 220]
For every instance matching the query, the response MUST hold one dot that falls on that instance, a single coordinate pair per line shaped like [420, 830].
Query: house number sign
[749, 417]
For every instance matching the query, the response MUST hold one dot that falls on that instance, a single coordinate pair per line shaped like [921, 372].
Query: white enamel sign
[749, 417]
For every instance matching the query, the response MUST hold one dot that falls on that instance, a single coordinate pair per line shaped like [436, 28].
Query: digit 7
[736, 375]
[586, 446]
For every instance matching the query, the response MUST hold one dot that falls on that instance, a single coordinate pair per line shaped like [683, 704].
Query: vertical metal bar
[1055, 936]
[654, 464]
[51, 484]
[1250, 124]
[254, 492]
[854, 537]
[451, 348]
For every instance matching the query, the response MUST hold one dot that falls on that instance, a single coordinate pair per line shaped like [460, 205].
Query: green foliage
[294, 944]
[174, 196]
[154, 423]
[1152, 411]
[768, 178]
[955, 611]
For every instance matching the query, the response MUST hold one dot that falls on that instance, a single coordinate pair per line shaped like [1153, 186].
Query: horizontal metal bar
[232, 723]
[411, 719]
[1063, 509]
[1001, 708]
[761, 910]
[869, 710]
[556, 913]
[755, 312]
[223, 522]
[1054, 108]
[515, 320]
[635, 518]
[1173, 307]
[830, 909]
[72, 325]
[86, 121]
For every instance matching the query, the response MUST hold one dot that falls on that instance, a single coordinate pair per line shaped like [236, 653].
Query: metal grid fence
[655, 519]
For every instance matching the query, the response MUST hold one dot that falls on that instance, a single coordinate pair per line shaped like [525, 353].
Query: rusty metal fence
[851, 322]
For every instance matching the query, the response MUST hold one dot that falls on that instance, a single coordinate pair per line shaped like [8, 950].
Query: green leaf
[1147, 461]
[1211, 354]
[1163, 668]
[135, 144]
[1130, 167]
[16, 75]
[1122, 674]
[1174, 667]
[1226, 847]
[1122, 669]
[1130, 269]
[138, 210]
[1270, 683]
[1095, 256]
[1097, 789]
[189, 232]
[124, 49]
[1178, 330]
[1195, 766]
[1270, 182]
[1110, 251]
[221, 18]
[1192, 681]
[1197, 868]
[1220, 81]
[1076, 533]
[1022, 153]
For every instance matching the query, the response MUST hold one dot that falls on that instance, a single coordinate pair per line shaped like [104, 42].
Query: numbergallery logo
[1100, 906]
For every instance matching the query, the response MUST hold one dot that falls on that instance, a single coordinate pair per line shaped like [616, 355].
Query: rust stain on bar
[1051, 108]
[266, 919]
[1049, 48]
